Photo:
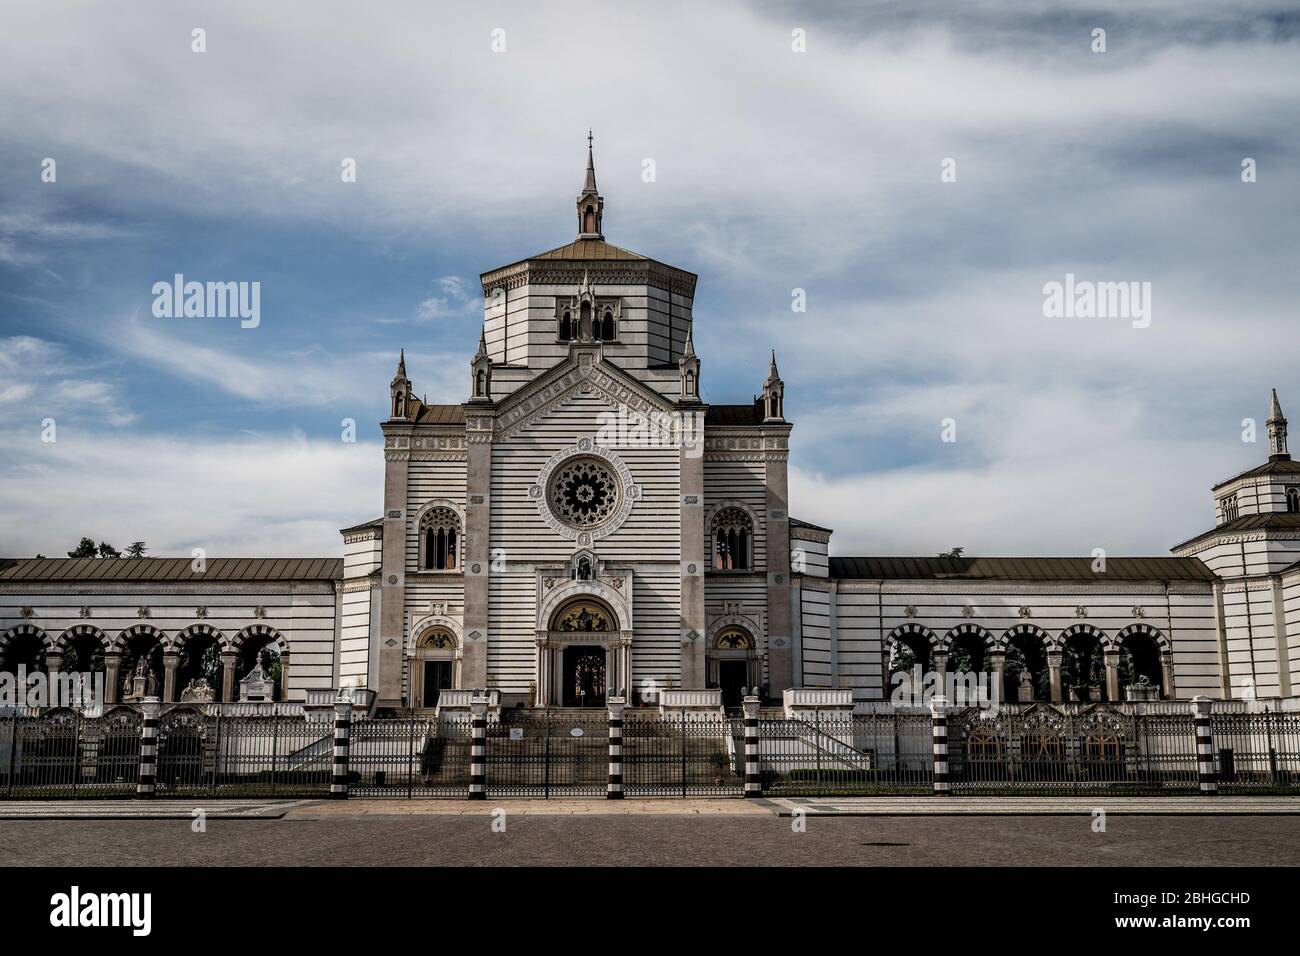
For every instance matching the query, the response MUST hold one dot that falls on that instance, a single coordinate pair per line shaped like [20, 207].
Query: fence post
[1204, 745]
[478, 748]
[614, 788]
[939, 732]
[753, 770]
[146, 783]
[342, 742]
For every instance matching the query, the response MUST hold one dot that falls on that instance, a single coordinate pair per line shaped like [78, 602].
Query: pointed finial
[482, 344]
[772, 373]
[689, 351]
[401, 365]
[1276, 430]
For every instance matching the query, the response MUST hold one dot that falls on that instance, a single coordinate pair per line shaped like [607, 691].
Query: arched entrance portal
[585, 655]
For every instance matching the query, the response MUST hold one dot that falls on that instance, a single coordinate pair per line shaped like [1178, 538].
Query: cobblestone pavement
[309, 836]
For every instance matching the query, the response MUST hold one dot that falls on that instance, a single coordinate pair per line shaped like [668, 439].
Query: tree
[136, 549]
[954, 553]
[106, 550]
[86, 549]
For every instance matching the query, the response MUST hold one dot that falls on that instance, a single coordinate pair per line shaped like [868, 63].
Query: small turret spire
[401, 365]
[772, 374]
[1277, 431]
[773, 394]
[591, 206]
[399, 390]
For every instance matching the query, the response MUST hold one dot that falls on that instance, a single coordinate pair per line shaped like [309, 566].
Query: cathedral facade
[583, 526]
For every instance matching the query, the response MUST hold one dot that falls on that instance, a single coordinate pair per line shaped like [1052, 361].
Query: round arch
[1025, 647]
[571, 591]
[582, 627]
[118, 645]
[61, 643]
[24, 630]
[1145, 630]
[434, 661]
[1084, 630]
[910, 634]
[264, 636]
[731, 658]
[184, 636]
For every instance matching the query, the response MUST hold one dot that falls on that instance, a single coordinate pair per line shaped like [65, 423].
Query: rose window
[584, 493]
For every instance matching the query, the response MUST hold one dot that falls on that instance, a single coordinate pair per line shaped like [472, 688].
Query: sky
[794, 146]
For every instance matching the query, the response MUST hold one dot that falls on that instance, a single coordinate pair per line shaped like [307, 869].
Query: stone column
[146, 784]
[695, 559]
[477, 545]
[780, 644]
[614, 786]
[284, 676]
[1167, 670]
[939, 661]
[997, 661]
[753, 767]
[478, 747]
[392, 591]
[1111, 659]
[112, 680]
[1204, 746]
[171, 663]
[342, 734]
[1054, 675]
[939, 732]
[53, 665]
[229, 682]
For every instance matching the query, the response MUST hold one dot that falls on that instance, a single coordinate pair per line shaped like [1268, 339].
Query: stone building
[584, 524]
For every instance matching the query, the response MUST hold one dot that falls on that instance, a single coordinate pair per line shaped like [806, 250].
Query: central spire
[591, 206]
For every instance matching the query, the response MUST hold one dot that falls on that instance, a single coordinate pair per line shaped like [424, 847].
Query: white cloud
[44, 381]
[253, 496]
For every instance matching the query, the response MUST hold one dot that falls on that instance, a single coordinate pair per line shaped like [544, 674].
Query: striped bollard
[753, 771]
[1204, 746]
[478, 748]
[939, 731]
[146, 784]
[614, 788]
[342, 737]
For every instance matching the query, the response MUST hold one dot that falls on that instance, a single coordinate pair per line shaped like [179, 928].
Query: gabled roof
[1021, 569]
[1275, 466]
[170, 569]
[1268, 521]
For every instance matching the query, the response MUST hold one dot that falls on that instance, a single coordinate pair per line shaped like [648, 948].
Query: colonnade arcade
[169, 664]
[1081, 663]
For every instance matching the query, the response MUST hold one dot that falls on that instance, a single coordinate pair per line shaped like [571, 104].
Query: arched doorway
[1141, 663]
[581, 636]
[1083, 665]
[732, 663]
[435, 666]
[1025, 674]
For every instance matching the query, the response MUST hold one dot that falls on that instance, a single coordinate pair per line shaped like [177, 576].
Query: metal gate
[60, 754]
[408, 757]
[699, 756]
[545, 754]
[838, 754]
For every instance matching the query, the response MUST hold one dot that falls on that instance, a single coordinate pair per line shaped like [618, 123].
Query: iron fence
[200, 753]
[695, 756]
[1020, 749]
[838, 754]
[408, 757]
[546, 754]
[1044, 749]
[1257, 752]
[61, 754]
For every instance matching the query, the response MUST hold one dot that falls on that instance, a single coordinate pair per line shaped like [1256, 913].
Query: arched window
[732, 536]
[1293, 499]
[1229, 505]
[440, 540]
[607, 326]
[589, 220]
[566, 326]
[584, 321]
